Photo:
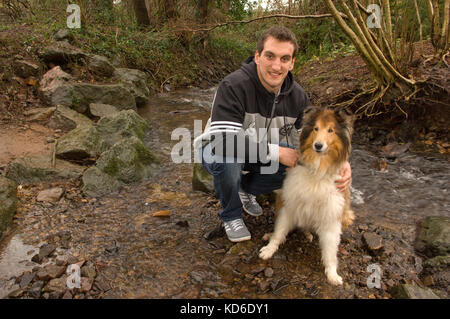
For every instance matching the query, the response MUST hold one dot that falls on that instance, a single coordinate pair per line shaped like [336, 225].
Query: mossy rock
[411, 291]
[128, 161]
[81, 143]
[122, 124]
[98, 183]
[202, 180]
[8, 202]
[433, 236]
[39, 168]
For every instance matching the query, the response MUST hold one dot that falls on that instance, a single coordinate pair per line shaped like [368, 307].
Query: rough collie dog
[309, 198]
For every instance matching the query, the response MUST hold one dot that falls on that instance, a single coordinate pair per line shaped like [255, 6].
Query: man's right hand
[287, 156]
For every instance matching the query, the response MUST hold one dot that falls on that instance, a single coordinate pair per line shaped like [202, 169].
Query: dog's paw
[335, 279]
[266, 252]
[267, 236]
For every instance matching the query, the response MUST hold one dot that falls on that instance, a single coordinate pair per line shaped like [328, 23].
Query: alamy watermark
[374, 20]
[228, 147]
[374, 279]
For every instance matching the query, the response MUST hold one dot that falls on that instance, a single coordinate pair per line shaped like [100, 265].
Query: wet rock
[39, 168]
[66, 119]
[433, 236]
[36, 289]
[89, 272]
[50, 272]
[373, 242]
[26, 279]
[8, 202]
[50, 195]
[100, 65]
[81, 143]
[202, 180]
[136, 82]
[123, 124]
[16, 293]
[86, 284]
[67, 295]
[412, 291]
[56, 285]
[25, 69]
[217, 231]
[242, 248]
[101, 110]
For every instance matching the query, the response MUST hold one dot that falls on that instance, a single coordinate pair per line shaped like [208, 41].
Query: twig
[54, 153]
[308, 16]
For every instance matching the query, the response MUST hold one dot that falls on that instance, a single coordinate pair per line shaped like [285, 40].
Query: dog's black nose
[318, 146]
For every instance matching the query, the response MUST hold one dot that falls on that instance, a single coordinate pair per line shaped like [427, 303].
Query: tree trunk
[202, 12]
[140, 11]
[170, 9]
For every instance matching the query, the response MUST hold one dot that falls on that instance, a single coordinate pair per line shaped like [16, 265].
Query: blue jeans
[228, 178]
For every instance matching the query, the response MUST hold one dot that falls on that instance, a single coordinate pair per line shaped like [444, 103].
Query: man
[260, 97]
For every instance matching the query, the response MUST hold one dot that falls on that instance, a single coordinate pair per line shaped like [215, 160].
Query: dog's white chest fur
[311, 201]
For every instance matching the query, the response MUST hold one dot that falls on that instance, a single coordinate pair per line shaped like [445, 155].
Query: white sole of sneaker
[237, 240]
[251, 214]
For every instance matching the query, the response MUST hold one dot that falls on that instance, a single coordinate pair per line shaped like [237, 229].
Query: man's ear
[292, 64]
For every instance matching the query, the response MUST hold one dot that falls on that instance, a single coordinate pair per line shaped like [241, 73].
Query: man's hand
[288, 156]
[346, 178]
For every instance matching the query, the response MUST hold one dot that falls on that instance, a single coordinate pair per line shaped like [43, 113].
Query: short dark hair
[281, 34]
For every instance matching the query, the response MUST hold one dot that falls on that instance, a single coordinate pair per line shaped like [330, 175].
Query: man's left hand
[346, 177]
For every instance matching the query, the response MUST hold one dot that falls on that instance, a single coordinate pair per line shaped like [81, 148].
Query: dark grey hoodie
[243, 107]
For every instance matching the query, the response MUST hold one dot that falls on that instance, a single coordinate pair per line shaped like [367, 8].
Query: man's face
[274, 63]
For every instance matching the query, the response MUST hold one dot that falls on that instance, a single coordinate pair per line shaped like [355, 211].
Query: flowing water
[186, 255]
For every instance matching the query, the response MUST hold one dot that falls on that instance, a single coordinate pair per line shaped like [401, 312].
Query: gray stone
[8, 202]
[122, 124]
[433, 236]
[58, 88]
[66, 119]
[373, 242]
[97, 183]
[202, 180]
[136, 82]
[63, 34]
[50, 195]
[100, 65]
[84, 142]
[411, 291]
[62, 53]
[39, 114]
[102, 110]
[38, 168]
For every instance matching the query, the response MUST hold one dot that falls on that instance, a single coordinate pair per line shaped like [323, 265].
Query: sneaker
[236, 230]
[249, 204]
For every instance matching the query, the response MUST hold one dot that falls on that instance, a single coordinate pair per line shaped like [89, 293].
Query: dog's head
[326, 133]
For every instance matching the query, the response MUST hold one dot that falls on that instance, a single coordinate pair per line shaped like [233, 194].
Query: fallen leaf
[162, 213]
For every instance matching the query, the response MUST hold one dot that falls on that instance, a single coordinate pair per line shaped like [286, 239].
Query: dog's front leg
[329, 241]
[282, 227]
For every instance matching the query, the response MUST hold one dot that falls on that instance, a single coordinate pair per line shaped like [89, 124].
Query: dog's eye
[330, 130]
[316, 129]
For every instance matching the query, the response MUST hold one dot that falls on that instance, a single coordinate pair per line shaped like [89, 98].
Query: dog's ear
[346, 118]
